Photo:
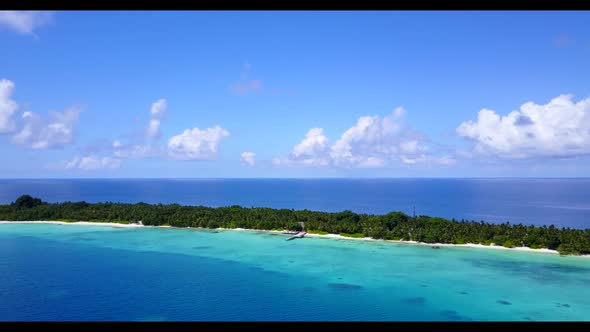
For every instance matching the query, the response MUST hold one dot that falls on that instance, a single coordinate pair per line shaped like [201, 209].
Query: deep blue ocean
[102, 273]
[561, 202]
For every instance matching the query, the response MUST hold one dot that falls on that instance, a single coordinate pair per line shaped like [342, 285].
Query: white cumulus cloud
[41, 133]
[311, 151]
[24, 22]
[373, 142]
[314, 144]
[248, 158]
[159, 107]
[92, 163]
[375, 138]
[560, 128]
[197, 144]
[7, 106]
[157, 111]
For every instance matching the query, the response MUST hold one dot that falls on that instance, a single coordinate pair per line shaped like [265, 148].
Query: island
[391, 226]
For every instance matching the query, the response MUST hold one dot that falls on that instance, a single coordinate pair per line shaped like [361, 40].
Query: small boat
[297, 236]
[435, 247]
[290, 232]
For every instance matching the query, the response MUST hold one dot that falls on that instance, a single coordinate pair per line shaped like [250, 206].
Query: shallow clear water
[72, 272]
[562, 202]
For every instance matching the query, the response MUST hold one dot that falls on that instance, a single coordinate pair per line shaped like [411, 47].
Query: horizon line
[292, 178]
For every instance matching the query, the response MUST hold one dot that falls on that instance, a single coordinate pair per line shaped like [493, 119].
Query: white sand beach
[82, 223]
[469, 245]
[330, 236]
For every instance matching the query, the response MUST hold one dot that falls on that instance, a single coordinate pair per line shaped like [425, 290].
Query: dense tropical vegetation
[391, 226]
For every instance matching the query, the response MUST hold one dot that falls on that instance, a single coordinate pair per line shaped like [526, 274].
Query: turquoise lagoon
[97, 273]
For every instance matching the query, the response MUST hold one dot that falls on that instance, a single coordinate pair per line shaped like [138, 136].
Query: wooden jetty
[297, 236]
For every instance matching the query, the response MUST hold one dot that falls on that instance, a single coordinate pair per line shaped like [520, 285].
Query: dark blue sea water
[562, 202]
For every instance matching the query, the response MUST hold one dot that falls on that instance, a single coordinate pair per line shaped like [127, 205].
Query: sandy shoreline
[331, 236]
[83, 223]
[468, 245]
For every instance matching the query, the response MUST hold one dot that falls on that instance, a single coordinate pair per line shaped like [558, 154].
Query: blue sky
[294, 94]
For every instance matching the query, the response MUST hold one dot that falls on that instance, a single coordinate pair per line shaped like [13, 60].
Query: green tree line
[391, 226]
